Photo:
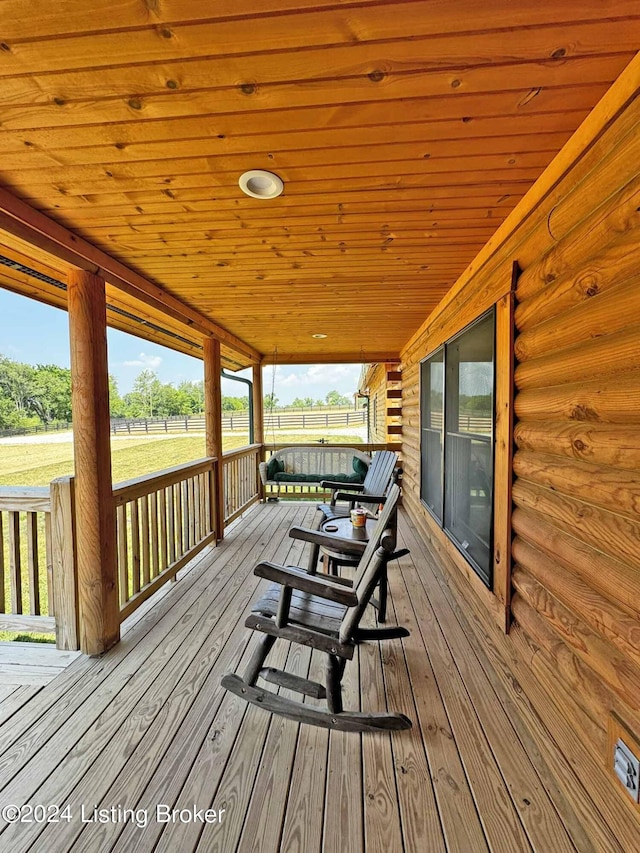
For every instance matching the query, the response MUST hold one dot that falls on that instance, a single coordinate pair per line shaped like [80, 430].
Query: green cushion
[360, 467]
[315, 478]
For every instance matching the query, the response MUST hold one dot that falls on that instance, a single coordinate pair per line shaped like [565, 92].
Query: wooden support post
[258, 423]
[63, 563]
[99, 614]
[258, 405]
[213, 422]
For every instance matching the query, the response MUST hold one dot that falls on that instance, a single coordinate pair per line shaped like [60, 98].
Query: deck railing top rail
[245, 450]
[129, 490]
[25, 499]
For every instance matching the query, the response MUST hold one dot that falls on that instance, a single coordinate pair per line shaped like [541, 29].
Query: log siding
[574, 644]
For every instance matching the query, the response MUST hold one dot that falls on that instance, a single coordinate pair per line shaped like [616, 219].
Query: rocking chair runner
[325, 614]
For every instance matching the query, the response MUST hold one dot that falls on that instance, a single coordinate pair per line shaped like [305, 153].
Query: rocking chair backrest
[380, 472]
[381, 542]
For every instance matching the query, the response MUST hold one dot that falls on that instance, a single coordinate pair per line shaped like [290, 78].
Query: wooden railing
[241, 480]
[26, 591]
[163, 520]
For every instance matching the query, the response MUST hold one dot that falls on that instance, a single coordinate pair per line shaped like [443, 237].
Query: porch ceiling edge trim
[23, 221]
[622, 90]
[333, 358]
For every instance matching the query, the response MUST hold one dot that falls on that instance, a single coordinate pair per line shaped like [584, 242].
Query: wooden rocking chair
[344, 496]
[372, 490]
[324, 613]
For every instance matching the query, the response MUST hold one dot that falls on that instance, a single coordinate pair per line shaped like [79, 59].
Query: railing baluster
[2, 573]
[146, 551]
[51, 604]
[197, 508]
[177, 493]
[162, 505]
[212, 497]
[185, 517]
[172, 522]
[155, 554]
[123, 568]
[15, 562]
[32, 562]
[135, 547]
[240, 478]
[192, 511]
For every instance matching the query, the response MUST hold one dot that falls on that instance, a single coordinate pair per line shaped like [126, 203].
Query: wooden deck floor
[148, 725]
[30, 664]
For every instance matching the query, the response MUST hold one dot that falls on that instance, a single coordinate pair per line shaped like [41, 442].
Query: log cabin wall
[383, 383]
[376, 382]
[574, 641]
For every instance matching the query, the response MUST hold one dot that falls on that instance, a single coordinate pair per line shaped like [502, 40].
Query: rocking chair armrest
[335, 579]
[296, 578]
[332, 484]
[362, 499]
[328, 540]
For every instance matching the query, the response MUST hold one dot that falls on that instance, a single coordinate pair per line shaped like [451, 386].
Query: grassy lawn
[38, 464]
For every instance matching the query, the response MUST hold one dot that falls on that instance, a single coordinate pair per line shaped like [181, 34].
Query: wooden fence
[240, 422]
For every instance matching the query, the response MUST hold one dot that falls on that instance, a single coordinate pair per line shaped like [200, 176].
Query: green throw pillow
[273, 466]
[360, 467]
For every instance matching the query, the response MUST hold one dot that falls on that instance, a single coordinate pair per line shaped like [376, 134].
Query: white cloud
[311, 380]
[144, 360]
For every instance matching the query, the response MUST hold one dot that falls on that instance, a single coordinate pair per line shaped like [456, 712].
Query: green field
[38, 464]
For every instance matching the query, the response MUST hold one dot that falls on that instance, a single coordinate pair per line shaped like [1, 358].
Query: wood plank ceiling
[405, 132]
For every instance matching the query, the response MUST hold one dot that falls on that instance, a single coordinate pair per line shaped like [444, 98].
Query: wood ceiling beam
[21, 220]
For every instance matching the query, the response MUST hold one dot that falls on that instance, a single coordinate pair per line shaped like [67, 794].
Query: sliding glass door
[457, 423]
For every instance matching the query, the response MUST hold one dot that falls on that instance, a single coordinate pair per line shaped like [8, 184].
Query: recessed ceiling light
[260, 184]
[318, 336]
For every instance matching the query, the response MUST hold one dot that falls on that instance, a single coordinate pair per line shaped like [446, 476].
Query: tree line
[31, 395]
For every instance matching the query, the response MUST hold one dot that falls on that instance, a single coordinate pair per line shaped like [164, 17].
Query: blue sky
[38, 334]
